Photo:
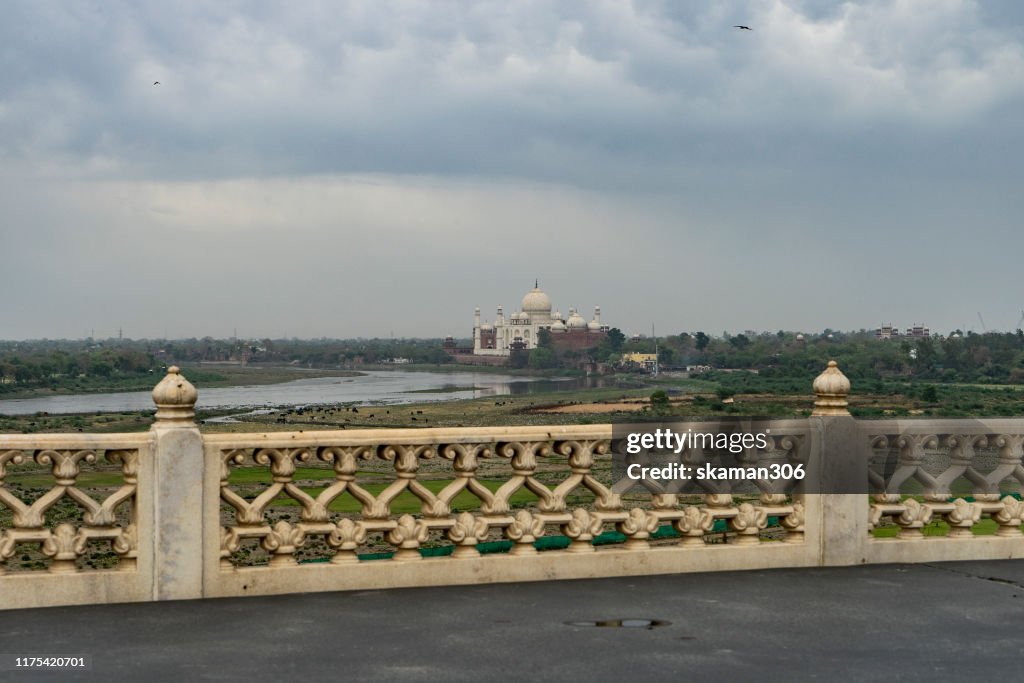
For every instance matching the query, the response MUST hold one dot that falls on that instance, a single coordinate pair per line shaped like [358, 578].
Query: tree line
[989, 358]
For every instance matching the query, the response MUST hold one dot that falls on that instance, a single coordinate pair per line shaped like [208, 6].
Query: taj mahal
[521, 329]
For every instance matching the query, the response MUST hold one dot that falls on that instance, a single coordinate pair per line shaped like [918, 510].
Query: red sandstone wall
[576, 339]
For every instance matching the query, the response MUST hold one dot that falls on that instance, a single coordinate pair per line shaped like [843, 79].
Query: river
[373, 387]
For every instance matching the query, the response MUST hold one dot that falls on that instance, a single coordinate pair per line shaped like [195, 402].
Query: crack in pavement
[962, 572]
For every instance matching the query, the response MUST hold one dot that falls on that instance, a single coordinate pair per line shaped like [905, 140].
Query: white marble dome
[576, 322]
[536, 301]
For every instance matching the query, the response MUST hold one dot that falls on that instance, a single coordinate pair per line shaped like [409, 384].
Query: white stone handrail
[929, 457]
[177, 510]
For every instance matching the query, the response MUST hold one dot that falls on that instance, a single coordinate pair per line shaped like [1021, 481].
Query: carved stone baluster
[1010, 517]
[1011, 453]
[717, 503]
[523, 456]
[282, 541]
[230, 542]
[465, 463]
[64, 545]
[406, 460]
[886, 498]
[467, 532]
[793, 523]
[694, 523]
[638, 527]
[961, 518]
[126, 545]
[13, 457]
[250, 513]
[913, 520]
[664, 502]
[64, 465]
[582, 529]
[7, 548]
[581, 461]
[129, 462]
[875, 514]
[525, 530]
[747, 523]
[8, 499]
[913, 449]
[346, 539]
[345, 460]
[283, 463]
[407, 467]
[962, 450]
[718, 500]
[408, 536]
[772, 499]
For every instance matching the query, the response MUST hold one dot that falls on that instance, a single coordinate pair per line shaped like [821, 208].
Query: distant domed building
[521, 329]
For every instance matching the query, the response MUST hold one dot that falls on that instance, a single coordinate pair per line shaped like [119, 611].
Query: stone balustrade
[175, 514]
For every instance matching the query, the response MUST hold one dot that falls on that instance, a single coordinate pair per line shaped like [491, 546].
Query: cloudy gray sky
[362, 169]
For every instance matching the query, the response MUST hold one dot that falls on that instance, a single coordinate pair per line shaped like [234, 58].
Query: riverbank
[216, 376]
[504, 410]
[370, 388]
[396, 398]
[210, 375]
[483, 369]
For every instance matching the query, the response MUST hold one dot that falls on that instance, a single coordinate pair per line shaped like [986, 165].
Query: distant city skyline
[343, 169]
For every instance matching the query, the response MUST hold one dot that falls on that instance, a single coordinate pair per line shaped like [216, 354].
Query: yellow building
[645, 360]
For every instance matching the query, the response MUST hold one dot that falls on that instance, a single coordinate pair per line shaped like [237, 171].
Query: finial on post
[175, 399]
[831, 389]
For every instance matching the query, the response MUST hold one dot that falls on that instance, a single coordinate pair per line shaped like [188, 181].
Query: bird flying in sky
[745, 28]
[156, 82]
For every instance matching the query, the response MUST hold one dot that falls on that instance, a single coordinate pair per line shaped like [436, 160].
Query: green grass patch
[407, 503]
[262, 475]
[984, 527]
[442, 390]
[85, 480]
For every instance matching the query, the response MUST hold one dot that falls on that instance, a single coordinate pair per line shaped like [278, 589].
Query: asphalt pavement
[922, 622]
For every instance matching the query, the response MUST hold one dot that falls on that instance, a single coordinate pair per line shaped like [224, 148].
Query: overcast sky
[362, 169]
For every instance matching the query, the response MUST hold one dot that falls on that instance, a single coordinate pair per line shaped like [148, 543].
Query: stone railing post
[842, 453]
[178, 491]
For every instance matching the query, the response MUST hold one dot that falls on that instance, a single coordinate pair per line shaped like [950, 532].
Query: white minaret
[597, 315]
[499, 330]
[476, 330]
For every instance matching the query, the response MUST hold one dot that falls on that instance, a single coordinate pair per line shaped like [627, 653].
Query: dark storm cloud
[494, 88]
[881, 135]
